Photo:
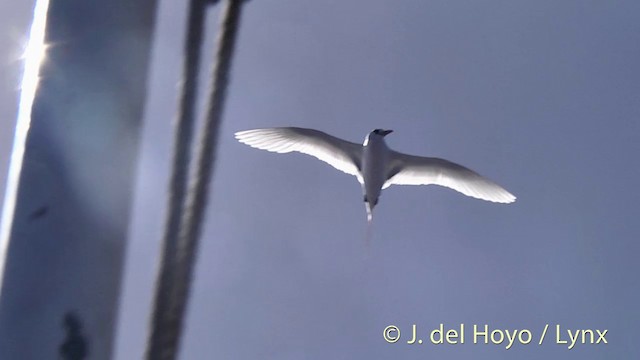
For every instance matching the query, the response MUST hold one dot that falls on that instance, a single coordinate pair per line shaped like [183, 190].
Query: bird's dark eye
[377, 131]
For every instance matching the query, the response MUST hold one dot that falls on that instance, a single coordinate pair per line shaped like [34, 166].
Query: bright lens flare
[34, 54]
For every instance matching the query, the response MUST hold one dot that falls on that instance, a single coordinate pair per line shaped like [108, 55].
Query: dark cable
[162, 318]
[181, 238]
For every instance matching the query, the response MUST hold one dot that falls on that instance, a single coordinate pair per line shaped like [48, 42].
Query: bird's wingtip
[508, 200]
[238, 134]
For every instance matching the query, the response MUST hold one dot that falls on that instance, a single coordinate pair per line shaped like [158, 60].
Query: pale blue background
[541, 96]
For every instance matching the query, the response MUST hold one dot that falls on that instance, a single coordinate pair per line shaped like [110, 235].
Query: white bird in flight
[375, 165]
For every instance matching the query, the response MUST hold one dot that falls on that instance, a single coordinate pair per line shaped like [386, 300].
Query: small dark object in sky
[40, 212]
[75, 346]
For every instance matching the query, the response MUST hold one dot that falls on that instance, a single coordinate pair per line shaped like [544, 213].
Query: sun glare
[33, 56]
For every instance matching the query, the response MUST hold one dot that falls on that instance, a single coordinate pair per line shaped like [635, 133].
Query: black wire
[162, 318]
[184, 220]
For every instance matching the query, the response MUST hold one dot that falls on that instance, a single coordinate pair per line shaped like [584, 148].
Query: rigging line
[183, 137]
[175, 291]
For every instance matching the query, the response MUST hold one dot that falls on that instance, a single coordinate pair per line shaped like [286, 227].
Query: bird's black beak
[386, 132]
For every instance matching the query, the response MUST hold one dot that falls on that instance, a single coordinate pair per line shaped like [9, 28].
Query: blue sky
[540, 96]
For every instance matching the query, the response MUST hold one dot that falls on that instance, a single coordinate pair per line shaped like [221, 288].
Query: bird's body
[375, 165]
[375, 157]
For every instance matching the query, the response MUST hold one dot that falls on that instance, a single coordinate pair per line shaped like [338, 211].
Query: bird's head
[377, 135]
[381, 132]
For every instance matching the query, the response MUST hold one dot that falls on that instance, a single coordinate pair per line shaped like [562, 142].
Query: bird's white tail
[369, 208]
[369, 233]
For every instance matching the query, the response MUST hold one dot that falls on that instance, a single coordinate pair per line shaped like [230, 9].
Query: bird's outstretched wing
[416, 170]
[342, 155]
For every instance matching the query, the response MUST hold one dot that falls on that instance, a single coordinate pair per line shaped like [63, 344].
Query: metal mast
[69, 204]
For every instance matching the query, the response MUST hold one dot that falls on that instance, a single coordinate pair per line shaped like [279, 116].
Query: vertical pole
[66, 239]
[168, 320]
